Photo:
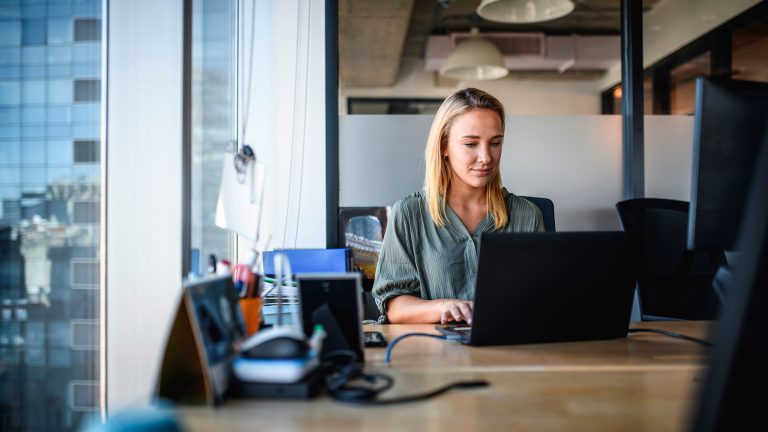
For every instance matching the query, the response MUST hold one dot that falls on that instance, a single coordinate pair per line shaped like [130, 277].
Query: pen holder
[251, 308]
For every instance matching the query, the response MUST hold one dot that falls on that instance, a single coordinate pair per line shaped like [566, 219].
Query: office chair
[547, 209]
[673, 283]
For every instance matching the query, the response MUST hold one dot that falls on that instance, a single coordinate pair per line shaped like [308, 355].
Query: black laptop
[551, 287]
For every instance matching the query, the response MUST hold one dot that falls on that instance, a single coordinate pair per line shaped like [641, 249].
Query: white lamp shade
[524, 11]
[475, 59]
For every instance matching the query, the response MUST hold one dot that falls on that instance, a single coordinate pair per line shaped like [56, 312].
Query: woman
[428, 263]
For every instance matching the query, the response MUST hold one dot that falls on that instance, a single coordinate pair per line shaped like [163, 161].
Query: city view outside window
[214, 78]
[50, 105]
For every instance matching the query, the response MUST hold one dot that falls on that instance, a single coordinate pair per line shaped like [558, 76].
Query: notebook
[551, 287]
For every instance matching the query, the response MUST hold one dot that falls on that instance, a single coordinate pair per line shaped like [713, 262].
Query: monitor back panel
[554, 287]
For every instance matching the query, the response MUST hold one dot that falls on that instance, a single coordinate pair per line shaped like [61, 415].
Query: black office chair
[674, 283]
[547, 209]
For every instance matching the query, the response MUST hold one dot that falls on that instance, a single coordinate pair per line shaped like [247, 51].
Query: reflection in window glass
[683, 83]
[9, 153]
[10, 92]
[59, 152]
[87, 90]
[10, 115]
[33, 92]
[33, 115]
[33, 32]
[10, 33]
[10, 55]
[59, 31]
[59, 54]
[42, 229]
[60, 114]
[750, 52]
[86, 151]
[213, 118]
[33, 152]
[87, 30]
[85, 53]
[33, 71]
[59, 91]
[33, 55]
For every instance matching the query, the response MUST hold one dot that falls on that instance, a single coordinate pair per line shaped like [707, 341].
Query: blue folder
[311, 260]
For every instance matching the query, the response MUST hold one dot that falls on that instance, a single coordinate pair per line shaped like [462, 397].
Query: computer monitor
[733, 394]
[729, 124]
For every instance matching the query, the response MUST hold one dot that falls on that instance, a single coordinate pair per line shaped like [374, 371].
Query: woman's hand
[406, 309]
[454, 310]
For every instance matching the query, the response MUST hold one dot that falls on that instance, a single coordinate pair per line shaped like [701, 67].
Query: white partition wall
[668, 156]
[573, 160]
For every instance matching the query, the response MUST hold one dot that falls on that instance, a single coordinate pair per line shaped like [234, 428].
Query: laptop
[551, 287]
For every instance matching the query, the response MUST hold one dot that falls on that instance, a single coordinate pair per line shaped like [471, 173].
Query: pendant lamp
[524, 11]
[475, 59]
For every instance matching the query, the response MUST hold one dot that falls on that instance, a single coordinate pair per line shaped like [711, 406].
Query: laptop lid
[553, 287]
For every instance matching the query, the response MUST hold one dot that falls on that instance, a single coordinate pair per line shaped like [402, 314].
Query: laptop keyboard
[461, 331]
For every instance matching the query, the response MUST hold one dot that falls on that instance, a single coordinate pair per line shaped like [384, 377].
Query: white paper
[239, 205]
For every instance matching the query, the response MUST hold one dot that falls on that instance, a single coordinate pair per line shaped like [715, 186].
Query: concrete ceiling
[375, 35]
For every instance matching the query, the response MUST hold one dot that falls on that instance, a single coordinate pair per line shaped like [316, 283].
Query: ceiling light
[524, 11]
[475, 59]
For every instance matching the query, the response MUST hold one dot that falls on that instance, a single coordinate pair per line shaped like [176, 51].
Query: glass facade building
[50, 111]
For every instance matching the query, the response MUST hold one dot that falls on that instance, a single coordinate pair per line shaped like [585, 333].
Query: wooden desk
[645, 382]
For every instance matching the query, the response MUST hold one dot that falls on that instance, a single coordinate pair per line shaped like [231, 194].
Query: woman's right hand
[451, 310]
[406, 309]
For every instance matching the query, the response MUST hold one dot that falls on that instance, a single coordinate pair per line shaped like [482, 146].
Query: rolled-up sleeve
[396, 272]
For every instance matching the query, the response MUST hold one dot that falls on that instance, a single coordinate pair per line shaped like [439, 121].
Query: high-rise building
[50, 104]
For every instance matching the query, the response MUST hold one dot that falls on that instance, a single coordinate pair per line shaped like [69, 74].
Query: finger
[466, 312]
[457, 316]
[471, 305]
[443, 317]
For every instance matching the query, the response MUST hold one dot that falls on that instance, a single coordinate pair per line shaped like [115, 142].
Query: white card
[240, 198]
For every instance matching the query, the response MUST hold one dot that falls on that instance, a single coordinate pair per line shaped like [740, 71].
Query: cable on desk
[346, 381]
[401, 337]
[672, 334]
[410, 398]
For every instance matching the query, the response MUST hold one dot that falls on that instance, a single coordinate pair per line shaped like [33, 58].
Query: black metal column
[186, 141]
[662, 103]
[721, 58]
[632, 98]
[331, 123]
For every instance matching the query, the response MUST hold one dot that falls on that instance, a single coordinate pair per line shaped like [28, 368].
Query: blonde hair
[437, 180]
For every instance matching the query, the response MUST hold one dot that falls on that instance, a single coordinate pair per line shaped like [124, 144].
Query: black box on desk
[309, 387]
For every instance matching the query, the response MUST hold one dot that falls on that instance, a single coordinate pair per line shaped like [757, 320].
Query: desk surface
[644, 382]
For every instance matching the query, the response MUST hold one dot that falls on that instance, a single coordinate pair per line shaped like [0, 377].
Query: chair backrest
[673, 283]
[547, 208]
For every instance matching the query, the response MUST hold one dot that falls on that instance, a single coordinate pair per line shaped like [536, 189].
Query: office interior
[116, 117]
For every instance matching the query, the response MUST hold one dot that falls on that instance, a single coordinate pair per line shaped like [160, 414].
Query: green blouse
[420, 259]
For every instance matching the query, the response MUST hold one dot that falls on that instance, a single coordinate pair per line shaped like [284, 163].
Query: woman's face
[474, 148]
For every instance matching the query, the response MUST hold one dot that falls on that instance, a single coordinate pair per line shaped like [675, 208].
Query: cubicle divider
[573, 160]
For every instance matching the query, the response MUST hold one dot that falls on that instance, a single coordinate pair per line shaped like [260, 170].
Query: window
[392, 106]
[86, 151]
[33, 32]
[213, 102]
[87, 30]
[85, 212]
[49, 216]
[87, 90]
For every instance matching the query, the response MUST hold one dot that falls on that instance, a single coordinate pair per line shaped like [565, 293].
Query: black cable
[411, 398]
[346, 382]
[672, 334]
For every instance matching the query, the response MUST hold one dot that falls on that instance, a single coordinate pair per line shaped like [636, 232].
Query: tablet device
[333, 300]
